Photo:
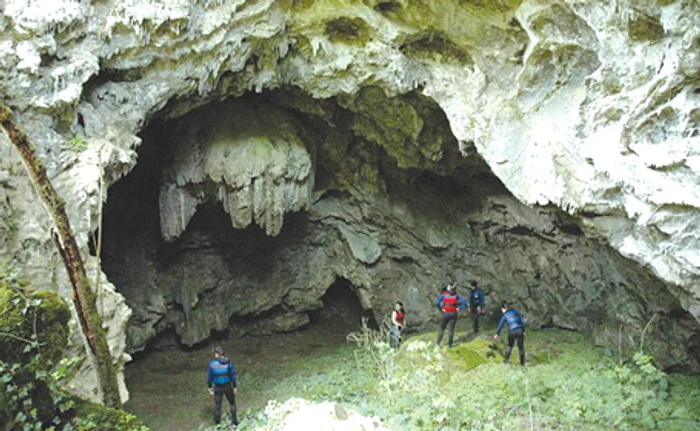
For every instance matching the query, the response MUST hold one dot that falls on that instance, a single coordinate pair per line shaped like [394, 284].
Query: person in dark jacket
[398, 322]
[221, 381]
[516, 332]
[476, 303]
[449, 304]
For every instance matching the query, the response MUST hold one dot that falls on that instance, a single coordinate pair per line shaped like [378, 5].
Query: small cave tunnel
[342, 309]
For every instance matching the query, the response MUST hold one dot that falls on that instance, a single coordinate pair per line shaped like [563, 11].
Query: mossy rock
[465, 355]
[437, 47]
[90, 416]
[468, 352]
[33, 335]
[24, 312]
[471, 354]
[642, 27]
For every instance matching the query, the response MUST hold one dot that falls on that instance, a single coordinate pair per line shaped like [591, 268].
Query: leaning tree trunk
[83, 297]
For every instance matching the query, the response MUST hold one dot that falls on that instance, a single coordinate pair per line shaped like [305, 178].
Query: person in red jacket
[398, 322]
[449, 304]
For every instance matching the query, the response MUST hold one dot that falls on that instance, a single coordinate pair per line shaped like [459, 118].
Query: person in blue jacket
[449, 304]
[476, 303]
[516, 332]
[221, 381]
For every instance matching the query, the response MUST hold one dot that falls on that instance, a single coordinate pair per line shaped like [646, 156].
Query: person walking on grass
[449, 304]
[398, 323]
[221, 381]
[476, 303]
[516, 332]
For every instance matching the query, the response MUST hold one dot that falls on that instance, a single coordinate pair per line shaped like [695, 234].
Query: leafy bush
[33, 329]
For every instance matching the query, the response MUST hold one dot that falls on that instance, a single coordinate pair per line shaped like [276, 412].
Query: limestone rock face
[592, 107]
[27, 244]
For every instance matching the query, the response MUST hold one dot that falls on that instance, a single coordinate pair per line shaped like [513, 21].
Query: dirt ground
[168, 388]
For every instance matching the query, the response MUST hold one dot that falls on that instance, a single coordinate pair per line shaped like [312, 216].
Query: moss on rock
[348, 30]
[411, 128]
[91, 416]
[469, 353]
[34, 333]
[465, 355]
[435, 46]
[643, 27]
[32, 316]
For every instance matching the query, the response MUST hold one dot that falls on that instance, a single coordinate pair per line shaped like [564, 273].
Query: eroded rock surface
[592, 107]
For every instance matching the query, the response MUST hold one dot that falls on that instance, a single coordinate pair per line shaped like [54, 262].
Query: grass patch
[568, 384]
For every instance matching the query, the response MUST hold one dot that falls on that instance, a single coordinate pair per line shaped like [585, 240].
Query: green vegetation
[33, 335]
[642, 27]
[568, 384]
[77, 144]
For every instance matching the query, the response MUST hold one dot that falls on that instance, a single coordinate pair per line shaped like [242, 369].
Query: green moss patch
[90, 416]
[32, 317]
[348, 30]
[33, 336]
[464, 355]
[436, 47]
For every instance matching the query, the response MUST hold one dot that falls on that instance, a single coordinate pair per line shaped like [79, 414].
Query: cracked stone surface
[589, 107]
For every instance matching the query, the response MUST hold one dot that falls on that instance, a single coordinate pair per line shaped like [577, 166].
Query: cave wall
[588, 106]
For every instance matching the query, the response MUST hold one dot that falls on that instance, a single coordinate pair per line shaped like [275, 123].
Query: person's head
[474, 284]
[452, 287]
[398, 306]
[504, 307]
[218, 351]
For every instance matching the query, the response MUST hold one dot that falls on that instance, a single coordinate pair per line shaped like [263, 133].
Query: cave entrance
[207, 274]
[342, 309]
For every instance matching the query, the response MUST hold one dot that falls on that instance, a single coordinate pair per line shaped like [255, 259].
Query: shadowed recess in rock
[341, 307]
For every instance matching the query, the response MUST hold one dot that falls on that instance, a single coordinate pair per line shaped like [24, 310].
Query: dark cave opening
[342, 308]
